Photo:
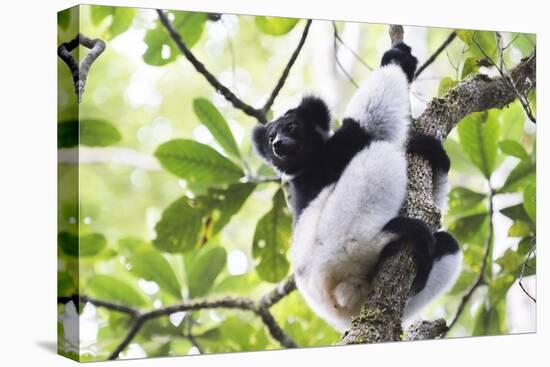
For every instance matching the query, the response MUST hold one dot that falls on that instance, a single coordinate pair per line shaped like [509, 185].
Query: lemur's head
[291, 141]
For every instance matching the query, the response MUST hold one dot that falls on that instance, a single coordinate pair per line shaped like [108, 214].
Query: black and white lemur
[347, 189]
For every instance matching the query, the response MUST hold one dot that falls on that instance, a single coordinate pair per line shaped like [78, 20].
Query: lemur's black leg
[445, 244]
[431, 149]
[423, 242]
[400, 54]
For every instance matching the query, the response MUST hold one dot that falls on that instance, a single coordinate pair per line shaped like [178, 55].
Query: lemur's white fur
[338, 237]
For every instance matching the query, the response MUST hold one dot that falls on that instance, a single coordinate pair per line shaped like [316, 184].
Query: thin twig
[396, 33]
[339, 64]
[437, 52]
[260, 309]
[201, 69]
[355, 54]
[286, 70]
[520, 282]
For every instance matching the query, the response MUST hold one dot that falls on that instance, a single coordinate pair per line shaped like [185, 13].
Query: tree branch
[80, 72]
[286, 70]
[396, 33]
[201, 69]
[380, 317]
[424, 330]
[260, 309]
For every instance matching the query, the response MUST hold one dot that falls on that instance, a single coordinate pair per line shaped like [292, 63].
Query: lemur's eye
[271, 138]
[291, 127]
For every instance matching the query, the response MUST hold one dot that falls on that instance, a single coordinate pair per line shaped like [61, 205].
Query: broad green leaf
[110, 288]
[197, 162]
[463, 200]
[480, 43]
[179, 227]
[459, 160]
[510, 262]
[470, 229]
[525, 245]
[470, 66]
[234, 334]
[190, 222]
[203, 268]
[512, 119]
[121, 18]
[515, 212]
[90, 132]
[87, 245]
[64, 19]
[161, 50]
[513, 148]
[479, 140]
[271, 241]
[524, 42]
[209, 115]
[151, 265]
[65, 284]
[523, 174]
[520, 228]
[445, 84]
[463, 282]
[529, 201]
[490, 319]
[275, 26]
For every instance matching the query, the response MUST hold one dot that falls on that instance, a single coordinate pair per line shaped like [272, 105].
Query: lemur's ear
[259, 139]
[315, 110]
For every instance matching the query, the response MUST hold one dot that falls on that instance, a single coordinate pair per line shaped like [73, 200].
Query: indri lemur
[347, 189]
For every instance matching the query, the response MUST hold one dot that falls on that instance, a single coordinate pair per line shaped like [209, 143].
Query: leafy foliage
[213, 221]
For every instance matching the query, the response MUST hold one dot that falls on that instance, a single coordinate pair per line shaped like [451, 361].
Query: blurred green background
[168, 201]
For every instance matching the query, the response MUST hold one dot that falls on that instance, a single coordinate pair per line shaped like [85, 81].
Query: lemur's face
[291, 141]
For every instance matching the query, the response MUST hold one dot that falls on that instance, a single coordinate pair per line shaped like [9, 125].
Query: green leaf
[190, 222]
[510, 262]
[179, 227]
[459, 160]
[479, 140]
[520, 228]
[490, 319]
[275, 26]
[445, 84]
[189, 25]
[64, 19]
[480, 43]
[462, 200]
[197, 162]
[151, 265]
[512, 120]
[513, 148]
[90, 132]
[470, 66]
[271, 241]
[525, 245]
[110, 288]
[529, 201]
[523, 174]
[121, 18]
[209, 115]
[203, 268]
[87, 245]
[469, 229]
[524, 42]
[65, 284]
[515, 212]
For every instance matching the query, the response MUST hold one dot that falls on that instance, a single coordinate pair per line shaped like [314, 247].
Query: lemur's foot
[400, 54]
[431, 149]
[423, 242]
[445, 244]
